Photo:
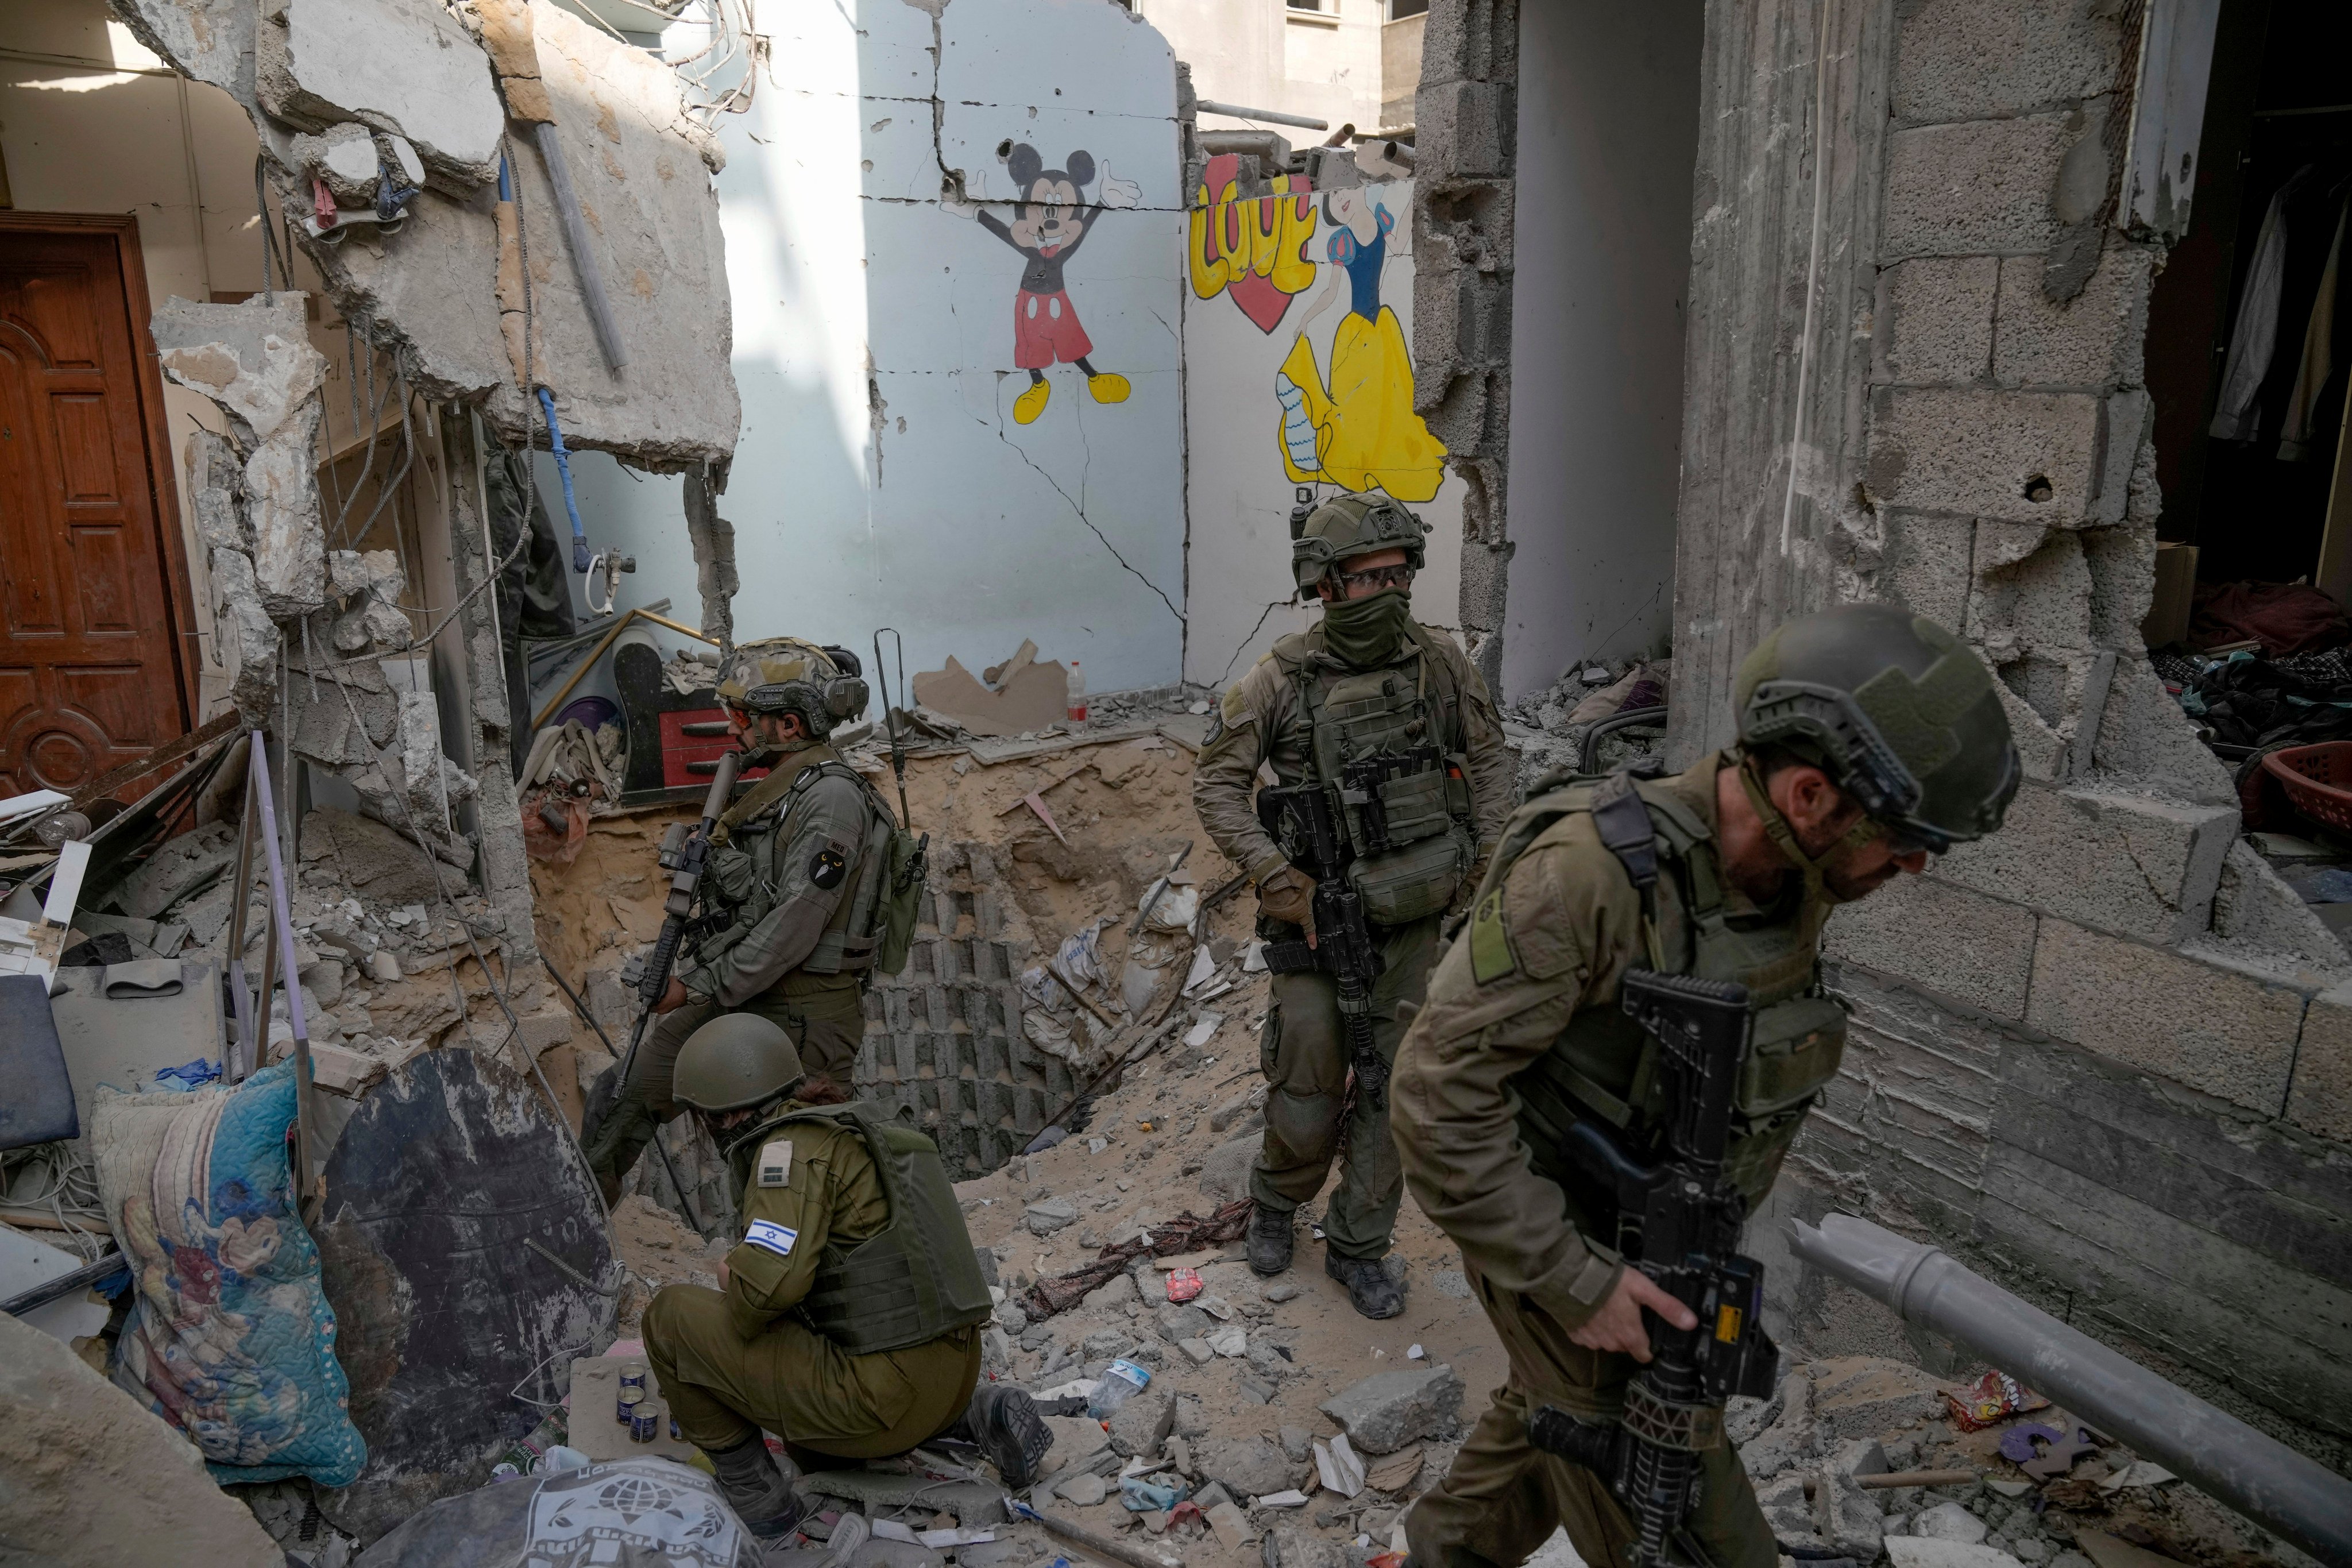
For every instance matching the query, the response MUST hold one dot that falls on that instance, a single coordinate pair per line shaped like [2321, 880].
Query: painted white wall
[1240, 492]
[882, 476]
[1608, 141]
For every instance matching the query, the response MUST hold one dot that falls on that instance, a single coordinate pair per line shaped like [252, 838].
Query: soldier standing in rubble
[847, 1320]
[796, 871]
[1869, 739]
[1365, 679]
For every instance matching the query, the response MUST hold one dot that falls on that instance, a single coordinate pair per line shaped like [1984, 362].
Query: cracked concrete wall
[2102, 1054]
[1464, 195]
[1242, 331]
[885, 474]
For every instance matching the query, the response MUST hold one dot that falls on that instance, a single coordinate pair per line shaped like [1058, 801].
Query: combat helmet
[786, 675]
[1348, 526]
[1896, 710]
[735, 1060]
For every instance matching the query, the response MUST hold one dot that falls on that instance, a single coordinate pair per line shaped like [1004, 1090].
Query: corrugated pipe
[2261, 1478]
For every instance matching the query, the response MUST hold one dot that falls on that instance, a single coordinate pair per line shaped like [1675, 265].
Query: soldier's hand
[1618, 1325]
[673, 998]
[1290, 895]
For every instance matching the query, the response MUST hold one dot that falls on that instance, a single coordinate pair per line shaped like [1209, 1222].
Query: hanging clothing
[2318, 355]
[2236, 416]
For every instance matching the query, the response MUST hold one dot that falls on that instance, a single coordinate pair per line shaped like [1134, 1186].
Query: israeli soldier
[798, 870]
[1365, 681]
[847, 1321]
[1869, 740]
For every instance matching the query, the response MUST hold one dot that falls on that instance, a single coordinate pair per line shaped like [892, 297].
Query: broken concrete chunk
[341, 1070]
[281, 489]
[97, 1479]
[254, 359]
[344, 157]
[216, 484]
[244, 636]
[1049, 1214]
[1390, 1409]
[1142, 1423]
[1192, 1418]
[402, 66]
[1246, 1467]
[1919, 1552]
[1950, 1521]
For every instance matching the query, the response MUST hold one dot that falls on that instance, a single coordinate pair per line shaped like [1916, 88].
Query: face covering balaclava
[1367, 631]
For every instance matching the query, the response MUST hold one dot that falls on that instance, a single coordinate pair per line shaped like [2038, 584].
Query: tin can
[623, 1407]
[644, 1421]
[633, 1375]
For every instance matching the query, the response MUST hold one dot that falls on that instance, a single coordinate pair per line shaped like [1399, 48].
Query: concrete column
[504, 869]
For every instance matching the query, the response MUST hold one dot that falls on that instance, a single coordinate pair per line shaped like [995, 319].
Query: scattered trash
[891, 1530]
[936, 1538]
[1138, 1496]
[1291, 1499]
[1199, 1034]
[2138, 1473]
[1122, 1381]
[1337, 1466]
[1990, 1398]
[1414, 1353]
[2049, 1454]
[2019, 1443]
[1396, 1472]
[189, 1075]
[1183, 1284]
[1217, 1307]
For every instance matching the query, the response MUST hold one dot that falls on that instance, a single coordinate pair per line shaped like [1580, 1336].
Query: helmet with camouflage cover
[735, 1060]
[786, 675]
[1349, 526]
[1898, 711]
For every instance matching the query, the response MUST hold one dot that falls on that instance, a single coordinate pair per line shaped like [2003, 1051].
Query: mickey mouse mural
[1050, 221]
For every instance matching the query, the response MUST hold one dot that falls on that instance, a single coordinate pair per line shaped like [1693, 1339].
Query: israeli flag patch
[776, 1238]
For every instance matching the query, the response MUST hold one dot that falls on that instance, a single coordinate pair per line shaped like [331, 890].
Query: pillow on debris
[230, 1338]
[637, 1513]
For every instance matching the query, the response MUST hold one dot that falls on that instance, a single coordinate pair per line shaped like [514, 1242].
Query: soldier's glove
[1288, 894]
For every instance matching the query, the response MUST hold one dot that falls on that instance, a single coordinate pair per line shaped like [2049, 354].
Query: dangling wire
[268, 237]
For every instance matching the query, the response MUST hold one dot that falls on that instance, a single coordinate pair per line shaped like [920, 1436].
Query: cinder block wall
[2105, 1057]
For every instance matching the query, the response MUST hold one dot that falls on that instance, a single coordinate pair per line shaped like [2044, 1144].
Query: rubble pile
[1548, 730]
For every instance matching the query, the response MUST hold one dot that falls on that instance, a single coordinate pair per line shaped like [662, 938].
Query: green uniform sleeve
[1570, 928]
[1250, 727]
[814, 866]
[785, 1230]
[1493, 770]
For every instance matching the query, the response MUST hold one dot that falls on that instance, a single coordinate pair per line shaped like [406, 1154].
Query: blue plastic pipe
[563, 467]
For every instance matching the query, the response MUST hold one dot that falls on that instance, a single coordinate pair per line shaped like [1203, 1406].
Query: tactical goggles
[1374, 579]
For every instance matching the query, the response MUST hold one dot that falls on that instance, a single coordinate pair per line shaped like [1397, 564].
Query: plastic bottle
[1077, 698]
[1120, 1382]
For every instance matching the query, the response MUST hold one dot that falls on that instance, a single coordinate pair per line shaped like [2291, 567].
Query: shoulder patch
[1234, 708]
[776, 1238]
[828, 868]
[776, 1163]
[1491, 957]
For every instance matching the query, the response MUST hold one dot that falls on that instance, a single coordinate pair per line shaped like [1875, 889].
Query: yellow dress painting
[1357, 429]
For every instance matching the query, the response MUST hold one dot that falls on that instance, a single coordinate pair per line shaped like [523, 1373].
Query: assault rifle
[1678, 1221]
[1305, 825]
[683, 855]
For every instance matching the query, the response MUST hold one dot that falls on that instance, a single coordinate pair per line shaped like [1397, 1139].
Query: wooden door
[90, 672]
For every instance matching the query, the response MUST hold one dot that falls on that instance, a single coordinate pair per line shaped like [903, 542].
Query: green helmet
[786, 675]
[1899, 713]
[1348, 526]
[735, 1060]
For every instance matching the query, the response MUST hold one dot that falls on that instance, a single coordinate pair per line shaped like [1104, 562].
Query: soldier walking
[1365, 682]
[1869, 740]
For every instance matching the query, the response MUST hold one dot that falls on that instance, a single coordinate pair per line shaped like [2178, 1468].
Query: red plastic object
[679, 749]
[1183, 1284]
[2317, 781]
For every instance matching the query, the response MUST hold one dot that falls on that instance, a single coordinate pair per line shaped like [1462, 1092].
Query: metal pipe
[2261, 1478]
[1271, 116]
[583, 259]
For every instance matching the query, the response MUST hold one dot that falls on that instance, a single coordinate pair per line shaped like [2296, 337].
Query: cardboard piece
[1031, 696]
[123, 1041]
[25, 1263]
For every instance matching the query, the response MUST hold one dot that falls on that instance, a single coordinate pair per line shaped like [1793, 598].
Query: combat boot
[1270, 1241]
[1369, 1289]
[757, 1487]
[1004, 1426]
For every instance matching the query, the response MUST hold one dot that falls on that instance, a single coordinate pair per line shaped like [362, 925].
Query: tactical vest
[912, 1282]
[1602, 1064]
[1376, 739]
[744, 873]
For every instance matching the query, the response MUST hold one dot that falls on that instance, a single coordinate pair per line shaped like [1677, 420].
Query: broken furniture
[1020, 696]
[137, 1027]
[456, 1332]
[39, 1106]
